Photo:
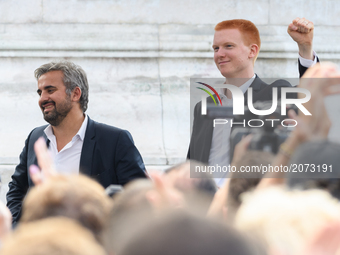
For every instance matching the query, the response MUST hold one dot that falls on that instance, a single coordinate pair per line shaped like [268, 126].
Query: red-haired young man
[236, 46]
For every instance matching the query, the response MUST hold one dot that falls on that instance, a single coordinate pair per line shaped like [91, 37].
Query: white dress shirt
[220, 144]
[67, 160]
[307, 62]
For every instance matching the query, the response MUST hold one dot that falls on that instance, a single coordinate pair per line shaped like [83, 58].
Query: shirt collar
[81, 132]
[243, 87]
[247, 84]
[82, 129]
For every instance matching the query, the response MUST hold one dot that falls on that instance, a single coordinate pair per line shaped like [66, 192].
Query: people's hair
[74, 76]
[245, 182]
[130, 212]
[331, 185]
[286, 221]
[134, 209]
[204, 183]
[51, 236]
[183, 234]
[73, 196]
[249, 31]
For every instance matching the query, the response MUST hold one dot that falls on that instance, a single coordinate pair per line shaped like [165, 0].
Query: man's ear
[76, 94]
[254, 50]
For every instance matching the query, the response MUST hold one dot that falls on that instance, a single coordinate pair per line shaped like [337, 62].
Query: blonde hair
[51, 236]
[286, 220]
[73, 196]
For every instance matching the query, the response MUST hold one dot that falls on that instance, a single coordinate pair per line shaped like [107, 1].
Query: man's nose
[220, 52]
[43, 97]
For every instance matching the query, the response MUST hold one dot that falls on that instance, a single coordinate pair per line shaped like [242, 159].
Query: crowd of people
[276, 213]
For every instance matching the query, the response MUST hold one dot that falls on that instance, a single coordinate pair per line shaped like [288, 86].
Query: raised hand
[320, 80]
[45, 163]
[301, 31]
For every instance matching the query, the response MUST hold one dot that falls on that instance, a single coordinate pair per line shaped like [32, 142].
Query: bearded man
[77, 143]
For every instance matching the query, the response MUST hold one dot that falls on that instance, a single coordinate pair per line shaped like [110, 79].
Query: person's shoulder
[198, 105]
[105, 127]
[34, 136]
[38, 131]
[265, 83]
[280, 83]
[107, 130]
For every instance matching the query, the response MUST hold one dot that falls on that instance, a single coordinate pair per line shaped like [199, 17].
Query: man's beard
[57, 115]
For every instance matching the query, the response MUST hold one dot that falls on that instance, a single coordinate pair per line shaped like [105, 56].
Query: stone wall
[139, 57]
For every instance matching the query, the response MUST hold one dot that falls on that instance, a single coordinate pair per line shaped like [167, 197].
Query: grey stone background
[139, 57]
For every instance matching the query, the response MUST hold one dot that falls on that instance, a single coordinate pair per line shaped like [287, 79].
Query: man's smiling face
[232, 57]
[54, 101]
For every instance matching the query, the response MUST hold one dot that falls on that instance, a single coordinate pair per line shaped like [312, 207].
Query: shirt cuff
[307, 62]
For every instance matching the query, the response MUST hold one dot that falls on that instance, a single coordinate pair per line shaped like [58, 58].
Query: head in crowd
[179, 177]
[51, 236]
[242, 182]
[236, 45]
[186, 234]
[286, 221]
[140, 203]
[323, 157]
[72, 196]
[132, 209]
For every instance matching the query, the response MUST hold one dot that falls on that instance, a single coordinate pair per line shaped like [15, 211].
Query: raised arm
[301, 31]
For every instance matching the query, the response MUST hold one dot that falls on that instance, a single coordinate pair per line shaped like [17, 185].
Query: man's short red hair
[247, 28]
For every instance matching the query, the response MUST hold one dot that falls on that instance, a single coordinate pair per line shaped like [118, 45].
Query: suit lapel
[205, 136]
[257, 86]
[88, 148]
[35, 161]
[31, 157]
[206, 149]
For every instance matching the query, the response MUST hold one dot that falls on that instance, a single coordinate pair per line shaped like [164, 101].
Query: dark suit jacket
[108, 155]
[202, 131]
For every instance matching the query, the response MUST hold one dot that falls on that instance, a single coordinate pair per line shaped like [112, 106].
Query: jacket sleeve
[303, 69]
[129, 163]
[194, 126]
[19, 185]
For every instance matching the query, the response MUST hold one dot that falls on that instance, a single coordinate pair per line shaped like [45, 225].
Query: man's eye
[229, 46]
[216, 49]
